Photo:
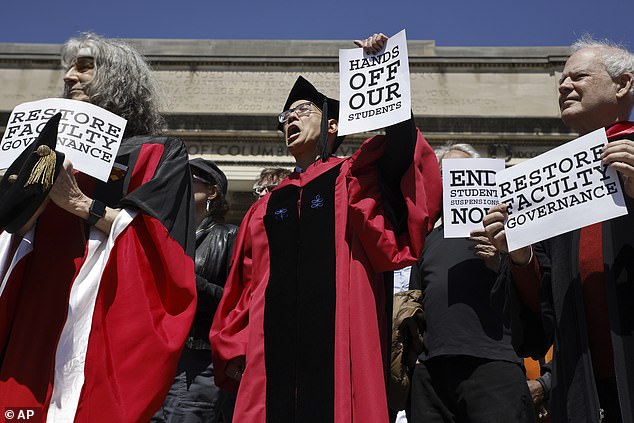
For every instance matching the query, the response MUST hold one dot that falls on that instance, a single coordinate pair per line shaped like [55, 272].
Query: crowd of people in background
[337, 299]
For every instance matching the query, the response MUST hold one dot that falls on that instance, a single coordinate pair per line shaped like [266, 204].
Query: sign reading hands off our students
[374, 89]
[469, 191]
[561, 190]
[88, 135]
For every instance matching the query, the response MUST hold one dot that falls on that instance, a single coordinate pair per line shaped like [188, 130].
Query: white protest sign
[561, 190]
[374, 89]
[469, 191]
[88, 135]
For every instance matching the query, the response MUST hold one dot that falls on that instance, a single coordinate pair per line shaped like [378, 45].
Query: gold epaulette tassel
[44, 170]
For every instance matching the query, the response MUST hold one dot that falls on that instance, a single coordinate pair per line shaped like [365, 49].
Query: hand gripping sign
[563, 189]
[88, 135]
[374, 88]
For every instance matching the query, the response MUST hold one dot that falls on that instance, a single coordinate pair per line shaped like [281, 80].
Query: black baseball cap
[209, 172]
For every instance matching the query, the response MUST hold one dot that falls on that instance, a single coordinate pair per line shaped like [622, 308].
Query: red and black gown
[91, 325]
[305, 300]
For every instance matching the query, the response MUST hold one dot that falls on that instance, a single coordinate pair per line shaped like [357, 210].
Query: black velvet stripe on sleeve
[398, 156]
[299, 319]
[168, 195]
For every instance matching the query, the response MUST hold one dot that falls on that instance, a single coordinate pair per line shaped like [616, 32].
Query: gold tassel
[44, 170]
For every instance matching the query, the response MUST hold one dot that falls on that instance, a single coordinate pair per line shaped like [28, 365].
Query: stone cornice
[285, 53]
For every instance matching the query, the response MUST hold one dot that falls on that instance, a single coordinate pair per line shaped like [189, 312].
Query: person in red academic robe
[302, 324]
[578, 287]
[97, 288]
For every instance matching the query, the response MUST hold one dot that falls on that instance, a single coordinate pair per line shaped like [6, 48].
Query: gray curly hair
[616, 58]
[123, 82]
[451, 145]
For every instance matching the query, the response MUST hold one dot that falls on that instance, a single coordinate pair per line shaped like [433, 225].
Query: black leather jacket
[214, 244]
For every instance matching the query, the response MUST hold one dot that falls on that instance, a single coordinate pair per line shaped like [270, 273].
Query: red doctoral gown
[91, 325]
[305, 298]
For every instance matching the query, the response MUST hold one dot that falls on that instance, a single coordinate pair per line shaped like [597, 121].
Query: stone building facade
[222, 96]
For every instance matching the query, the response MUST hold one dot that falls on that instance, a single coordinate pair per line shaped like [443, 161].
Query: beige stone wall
[21, 85]
[221, 97]
[486, 93]
[436, 94]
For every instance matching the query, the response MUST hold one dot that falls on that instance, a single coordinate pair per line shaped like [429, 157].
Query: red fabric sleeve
[145, 306]
[422, 190]
[144, 310]
[229, 329]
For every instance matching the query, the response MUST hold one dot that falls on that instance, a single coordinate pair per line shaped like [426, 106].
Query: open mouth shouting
[292, 132]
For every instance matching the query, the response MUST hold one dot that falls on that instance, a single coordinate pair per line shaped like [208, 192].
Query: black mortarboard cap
[210, 172]
[304, 90]
[27, 182]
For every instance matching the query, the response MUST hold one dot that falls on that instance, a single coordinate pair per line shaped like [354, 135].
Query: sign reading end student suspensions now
[88, 135]
[374, 89]
[469, 191]
[561, 190]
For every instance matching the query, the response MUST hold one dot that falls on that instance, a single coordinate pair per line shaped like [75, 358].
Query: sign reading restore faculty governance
[88, 135]
[374, 89]
[561, 190]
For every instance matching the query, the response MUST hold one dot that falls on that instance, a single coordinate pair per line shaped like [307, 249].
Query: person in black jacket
[193, 396]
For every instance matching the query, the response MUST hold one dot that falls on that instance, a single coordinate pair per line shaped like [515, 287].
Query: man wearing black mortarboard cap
[193, 392]
[303, 101]
[97, 282]
[302, 324]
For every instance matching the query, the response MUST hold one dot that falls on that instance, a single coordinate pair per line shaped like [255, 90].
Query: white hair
[450, 145]
[123, 82]
[616, 58]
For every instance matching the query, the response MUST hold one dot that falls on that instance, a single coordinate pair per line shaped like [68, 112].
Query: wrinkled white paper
[374, 89]
[88, 135]
[469, 191]
[558, 191]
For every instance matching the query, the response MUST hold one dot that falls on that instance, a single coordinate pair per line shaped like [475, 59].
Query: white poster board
[88, 135]
[561, 190]
[374, 89]
[469, 191]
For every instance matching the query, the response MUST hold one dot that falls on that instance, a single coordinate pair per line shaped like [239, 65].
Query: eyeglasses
[303, 109]
[259, 191]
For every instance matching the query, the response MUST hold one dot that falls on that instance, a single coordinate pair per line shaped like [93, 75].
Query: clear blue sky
[448, 22]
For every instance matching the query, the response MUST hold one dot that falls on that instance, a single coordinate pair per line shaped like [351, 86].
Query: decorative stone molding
[222, 96]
